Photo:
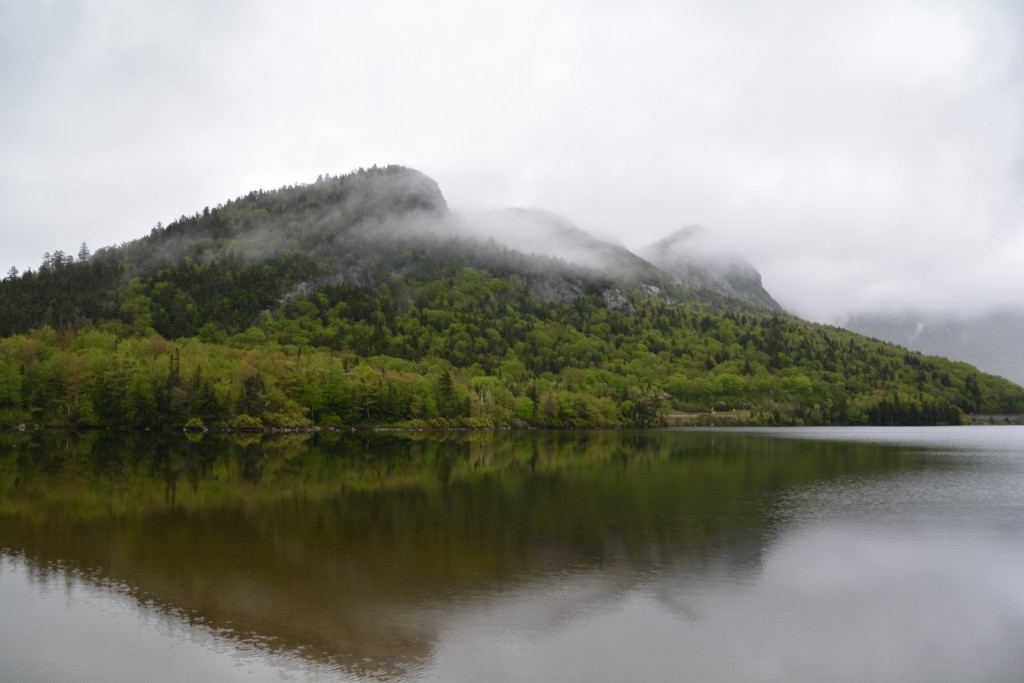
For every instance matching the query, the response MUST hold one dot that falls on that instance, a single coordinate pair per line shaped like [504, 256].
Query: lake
[818, 554]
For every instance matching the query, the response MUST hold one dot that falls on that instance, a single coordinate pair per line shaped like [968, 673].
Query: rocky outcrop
[617, 301]
[553, 290]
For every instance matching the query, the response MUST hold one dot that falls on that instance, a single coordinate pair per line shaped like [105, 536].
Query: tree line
[475, 349]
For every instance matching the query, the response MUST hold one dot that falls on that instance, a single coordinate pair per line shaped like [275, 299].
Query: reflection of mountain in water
[357, 551]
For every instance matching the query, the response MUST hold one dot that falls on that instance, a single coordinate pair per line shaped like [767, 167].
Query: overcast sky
[862, 155]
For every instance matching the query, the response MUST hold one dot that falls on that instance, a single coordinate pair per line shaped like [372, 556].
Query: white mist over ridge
[545, 233]
[863, 156]
[533, 231]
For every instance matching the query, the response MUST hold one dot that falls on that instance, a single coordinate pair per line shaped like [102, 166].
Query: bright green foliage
[545, 368]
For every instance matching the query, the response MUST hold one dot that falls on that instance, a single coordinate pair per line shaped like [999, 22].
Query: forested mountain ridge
[228, 264]
[361, 300]
[990, 342]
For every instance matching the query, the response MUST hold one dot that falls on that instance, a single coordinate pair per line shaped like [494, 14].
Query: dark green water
[775, 555]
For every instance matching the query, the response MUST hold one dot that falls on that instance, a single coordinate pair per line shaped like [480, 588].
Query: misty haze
[511, 341]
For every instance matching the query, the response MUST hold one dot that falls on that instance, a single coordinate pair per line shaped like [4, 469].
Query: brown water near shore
[718, 554]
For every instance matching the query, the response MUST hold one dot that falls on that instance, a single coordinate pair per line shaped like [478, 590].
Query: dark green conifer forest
[360, 300]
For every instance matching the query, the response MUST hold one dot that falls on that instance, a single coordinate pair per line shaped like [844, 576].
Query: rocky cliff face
[686, 256]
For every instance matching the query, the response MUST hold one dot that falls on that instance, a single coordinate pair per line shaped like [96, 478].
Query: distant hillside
[994, 343]
[361, 300]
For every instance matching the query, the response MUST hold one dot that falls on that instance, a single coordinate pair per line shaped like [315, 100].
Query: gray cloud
[861, 155]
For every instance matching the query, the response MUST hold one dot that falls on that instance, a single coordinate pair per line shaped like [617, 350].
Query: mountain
[361, 300]
[992, 342]
[250, 254]
[686, 256]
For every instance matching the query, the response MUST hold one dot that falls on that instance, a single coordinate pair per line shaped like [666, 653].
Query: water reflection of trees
[354, 546]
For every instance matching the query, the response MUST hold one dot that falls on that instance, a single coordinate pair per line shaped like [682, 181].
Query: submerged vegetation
[360, 301]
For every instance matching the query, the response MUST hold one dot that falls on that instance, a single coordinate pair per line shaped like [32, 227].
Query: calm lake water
[679, 555]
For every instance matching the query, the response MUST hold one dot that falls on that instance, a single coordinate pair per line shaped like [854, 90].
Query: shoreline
[673, 420]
